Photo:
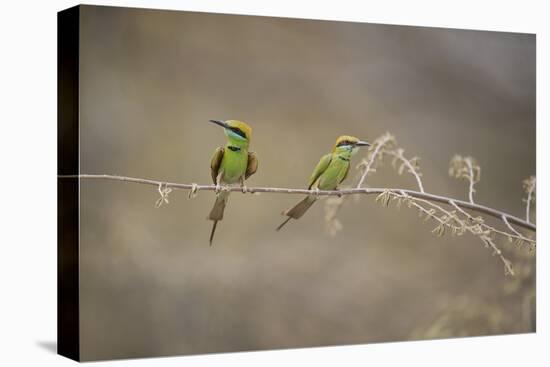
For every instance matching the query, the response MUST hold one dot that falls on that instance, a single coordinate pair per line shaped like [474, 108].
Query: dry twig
[466, 168]
[410, 164]
[458, 220]
[280, 190]
[529, 186]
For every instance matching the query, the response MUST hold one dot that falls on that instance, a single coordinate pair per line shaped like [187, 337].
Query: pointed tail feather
[213, 230]
[216, 214]
[298, 210]
[282, 224]
[219, 206]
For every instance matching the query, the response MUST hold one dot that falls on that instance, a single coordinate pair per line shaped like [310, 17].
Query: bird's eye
[238, 131]
[345, 142]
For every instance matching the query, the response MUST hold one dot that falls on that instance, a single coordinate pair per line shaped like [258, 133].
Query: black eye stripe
[238, 131]
[345, 142]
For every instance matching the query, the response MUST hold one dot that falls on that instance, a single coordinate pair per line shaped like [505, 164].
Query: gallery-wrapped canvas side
[68, 22]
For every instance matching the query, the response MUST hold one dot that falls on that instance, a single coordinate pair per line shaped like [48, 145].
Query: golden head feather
[242, 126]
[348, 140]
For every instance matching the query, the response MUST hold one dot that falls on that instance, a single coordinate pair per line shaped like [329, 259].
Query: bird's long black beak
[219, 122]
[361, 143]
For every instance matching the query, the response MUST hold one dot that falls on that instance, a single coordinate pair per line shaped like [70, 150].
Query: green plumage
[230, 164]
[331, 170]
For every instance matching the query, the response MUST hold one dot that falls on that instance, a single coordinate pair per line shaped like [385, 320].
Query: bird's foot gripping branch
[451, 216]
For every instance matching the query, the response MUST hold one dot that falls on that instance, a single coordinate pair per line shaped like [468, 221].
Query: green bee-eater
[231, 164]
[331, 170]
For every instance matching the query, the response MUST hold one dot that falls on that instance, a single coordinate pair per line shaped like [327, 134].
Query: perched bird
[331, 170]
[231, 164]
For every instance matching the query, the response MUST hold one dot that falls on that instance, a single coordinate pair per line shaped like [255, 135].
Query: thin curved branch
[366, 191]
[470, 179]
[380, 143]
[398, 155]
[528, 206]
[466, 168]
[475, 230]
[529, 185]
[515, 234]
[505, 220]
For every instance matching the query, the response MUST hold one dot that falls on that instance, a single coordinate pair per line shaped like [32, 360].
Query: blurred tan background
[150, 81]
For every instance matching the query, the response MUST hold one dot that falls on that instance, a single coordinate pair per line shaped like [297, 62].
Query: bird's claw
[317, 191]
[218, 188]
[244, 189]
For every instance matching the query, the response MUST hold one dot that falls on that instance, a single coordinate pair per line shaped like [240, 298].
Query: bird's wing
[319, 169]
[216, 162]
[252, 166]
[345, 174]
